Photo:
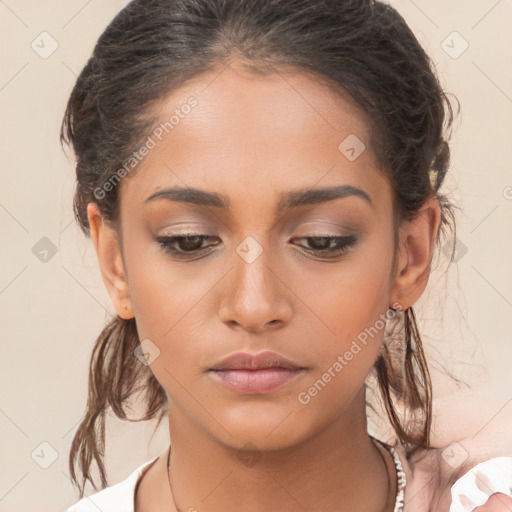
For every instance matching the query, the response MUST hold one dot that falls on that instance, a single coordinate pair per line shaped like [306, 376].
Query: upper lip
[247, 361]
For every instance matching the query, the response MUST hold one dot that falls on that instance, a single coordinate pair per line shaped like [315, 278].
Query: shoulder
[451, 478]
[116, 498]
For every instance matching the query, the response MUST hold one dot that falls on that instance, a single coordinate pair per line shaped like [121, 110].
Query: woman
[261, 182]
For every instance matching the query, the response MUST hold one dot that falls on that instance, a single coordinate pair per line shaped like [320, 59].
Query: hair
[152, 47]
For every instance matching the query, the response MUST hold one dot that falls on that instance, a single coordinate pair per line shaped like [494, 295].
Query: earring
[400, 308]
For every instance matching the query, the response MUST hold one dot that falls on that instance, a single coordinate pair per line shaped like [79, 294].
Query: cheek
[158, 289]
[166, 305]
[169, 301]
[348, 298]
[350, 305]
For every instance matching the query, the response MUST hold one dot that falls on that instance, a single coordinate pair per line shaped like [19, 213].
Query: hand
[498, 502]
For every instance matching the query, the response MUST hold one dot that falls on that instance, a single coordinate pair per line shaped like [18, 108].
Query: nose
[255, 297]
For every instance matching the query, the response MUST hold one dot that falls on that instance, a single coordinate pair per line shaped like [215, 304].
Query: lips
[261, 361]
[255, 373]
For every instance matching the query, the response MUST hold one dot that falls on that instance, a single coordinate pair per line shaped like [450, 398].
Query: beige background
[51, 312]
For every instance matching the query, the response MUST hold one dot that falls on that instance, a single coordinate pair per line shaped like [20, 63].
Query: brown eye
[184, 245]
[330, 245]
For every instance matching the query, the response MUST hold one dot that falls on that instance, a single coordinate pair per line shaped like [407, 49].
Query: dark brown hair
[153, 46]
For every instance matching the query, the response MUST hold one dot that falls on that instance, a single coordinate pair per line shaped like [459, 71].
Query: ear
[417, 240]
[111, 262]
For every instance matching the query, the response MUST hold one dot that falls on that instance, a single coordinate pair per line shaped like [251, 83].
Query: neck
[339, 468]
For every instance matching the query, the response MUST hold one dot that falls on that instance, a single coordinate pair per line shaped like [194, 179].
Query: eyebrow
[291, 199]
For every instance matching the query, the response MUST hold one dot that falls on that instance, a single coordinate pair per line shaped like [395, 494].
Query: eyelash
[343, 244]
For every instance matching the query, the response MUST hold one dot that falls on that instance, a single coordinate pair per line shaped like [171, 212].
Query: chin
[266, 428]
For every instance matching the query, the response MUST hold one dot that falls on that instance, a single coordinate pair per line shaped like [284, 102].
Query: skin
[253, 138]
[498, 502]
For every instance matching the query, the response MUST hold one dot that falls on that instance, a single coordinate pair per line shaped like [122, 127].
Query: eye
[193, 244]
[185, 245]
[328, 244]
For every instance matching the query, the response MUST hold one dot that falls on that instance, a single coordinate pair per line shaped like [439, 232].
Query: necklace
[400, 473]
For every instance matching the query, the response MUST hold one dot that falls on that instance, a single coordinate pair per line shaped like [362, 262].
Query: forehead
[266, 133]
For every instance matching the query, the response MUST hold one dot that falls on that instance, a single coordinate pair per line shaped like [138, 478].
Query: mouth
[262, 361]
[256, 381]
[256, 374]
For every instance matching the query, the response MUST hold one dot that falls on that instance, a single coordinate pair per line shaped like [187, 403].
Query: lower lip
[255, 381]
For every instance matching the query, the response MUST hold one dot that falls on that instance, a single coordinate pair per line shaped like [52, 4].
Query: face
[272, 262]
